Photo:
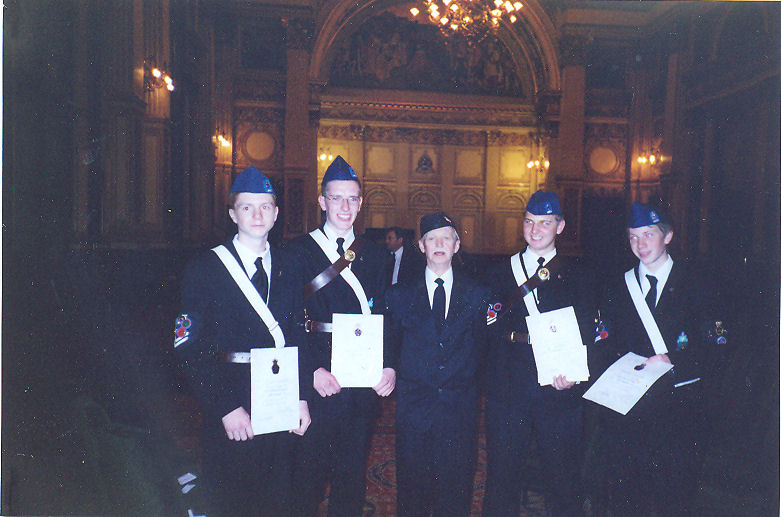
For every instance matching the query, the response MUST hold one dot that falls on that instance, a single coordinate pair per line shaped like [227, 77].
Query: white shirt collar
[661, 274]
[331, 234]
[530, 259]
[447, 278]
[248, 257]
[398, 253]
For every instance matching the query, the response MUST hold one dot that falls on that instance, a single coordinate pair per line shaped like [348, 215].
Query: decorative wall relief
[378, 196]
[512, 167]
[380, 160]
[510, 200]
[424, 199]
[470, 165]
[389, 52]
[468, 199]
[258, 137]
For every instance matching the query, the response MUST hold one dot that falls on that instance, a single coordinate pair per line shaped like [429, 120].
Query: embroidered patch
[683, 341]
[371, 303]
[601, 332]
[182, 329]
[493, 312]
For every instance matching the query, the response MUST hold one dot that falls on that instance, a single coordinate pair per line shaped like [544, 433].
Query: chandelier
[472, 18]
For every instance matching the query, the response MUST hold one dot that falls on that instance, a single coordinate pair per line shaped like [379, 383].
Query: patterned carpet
[381, 472]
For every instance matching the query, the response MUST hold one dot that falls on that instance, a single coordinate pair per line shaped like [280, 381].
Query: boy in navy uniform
[352, 283]
[515, 402]
[439, 320]
[243, 474]
[650, 452]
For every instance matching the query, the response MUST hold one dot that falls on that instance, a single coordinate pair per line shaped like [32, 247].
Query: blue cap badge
[339, 170]
[646, 215]
[253, 181]
[544, 203]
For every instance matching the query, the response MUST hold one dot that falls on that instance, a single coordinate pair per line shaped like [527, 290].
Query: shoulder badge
[182, 329]
[601, 331]
[493, 312]
[682, 342]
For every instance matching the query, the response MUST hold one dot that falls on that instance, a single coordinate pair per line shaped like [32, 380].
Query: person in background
[406, 261]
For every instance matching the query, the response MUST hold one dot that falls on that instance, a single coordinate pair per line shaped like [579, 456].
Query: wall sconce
[220, 139]
[652, 157]
[540, 164]
[156, 78]
[325, 155]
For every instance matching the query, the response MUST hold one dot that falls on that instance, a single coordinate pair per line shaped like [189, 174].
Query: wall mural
[389, 52]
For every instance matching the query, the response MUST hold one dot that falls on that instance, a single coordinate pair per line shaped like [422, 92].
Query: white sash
[651, 328]
[349, 277]
[238, 274]
[520, 277]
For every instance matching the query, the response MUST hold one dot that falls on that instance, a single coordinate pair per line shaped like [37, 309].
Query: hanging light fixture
[470, 18]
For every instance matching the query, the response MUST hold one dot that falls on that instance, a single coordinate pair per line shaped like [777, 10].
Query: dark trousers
[651, 466]
[435, 468]
[508, 431]
[252, 477]
[334, 448]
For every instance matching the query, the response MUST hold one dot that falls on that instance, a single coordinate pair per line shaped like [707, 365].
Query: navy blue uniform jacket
[511, 373]
[689, 332]
[338, 297]
[436, 376]
[222, 320]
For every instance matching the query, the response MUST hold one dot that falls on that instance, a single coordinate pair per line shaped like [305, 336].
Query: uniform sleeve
[192, 343]
[608, 344]
[391, 330]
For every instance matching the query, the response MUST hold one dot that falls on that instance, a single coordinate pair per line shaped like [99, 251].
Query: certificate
[274, 385]
[356, 350]
[625, 382]
[557, 345]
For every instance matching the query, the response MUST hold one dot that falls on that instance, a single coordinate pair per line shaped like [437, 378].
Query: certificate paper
[557, 345]
[622, 385]
[274, 385]
[356, 350]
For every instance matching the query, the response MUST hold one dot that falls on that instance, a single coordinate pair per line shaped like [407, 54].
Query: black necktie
[438, 306]
[540, 261]
[339, 247]
[260, 280]
[650, 297]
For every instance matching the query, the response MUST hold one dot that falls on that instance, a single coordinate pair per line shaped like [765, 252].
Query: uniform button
[439, 390]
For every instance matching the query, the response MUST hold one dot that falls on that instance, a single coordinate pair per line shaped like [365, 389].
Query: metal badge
[543, 273]
[349, 255]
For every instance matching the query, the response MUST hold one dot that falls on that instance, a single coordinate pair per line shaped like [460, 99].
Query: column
[300, 162]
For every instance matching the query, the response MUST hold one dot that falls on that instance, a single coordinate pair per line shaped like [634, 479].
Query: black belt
[519, 337]
[317, 326]
[233, 357]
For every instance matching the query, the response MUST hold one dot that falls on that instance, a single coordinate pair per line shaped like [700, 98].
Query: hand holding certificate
[625, 382]
[274, 385]
[356, 350]
[557, 345]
